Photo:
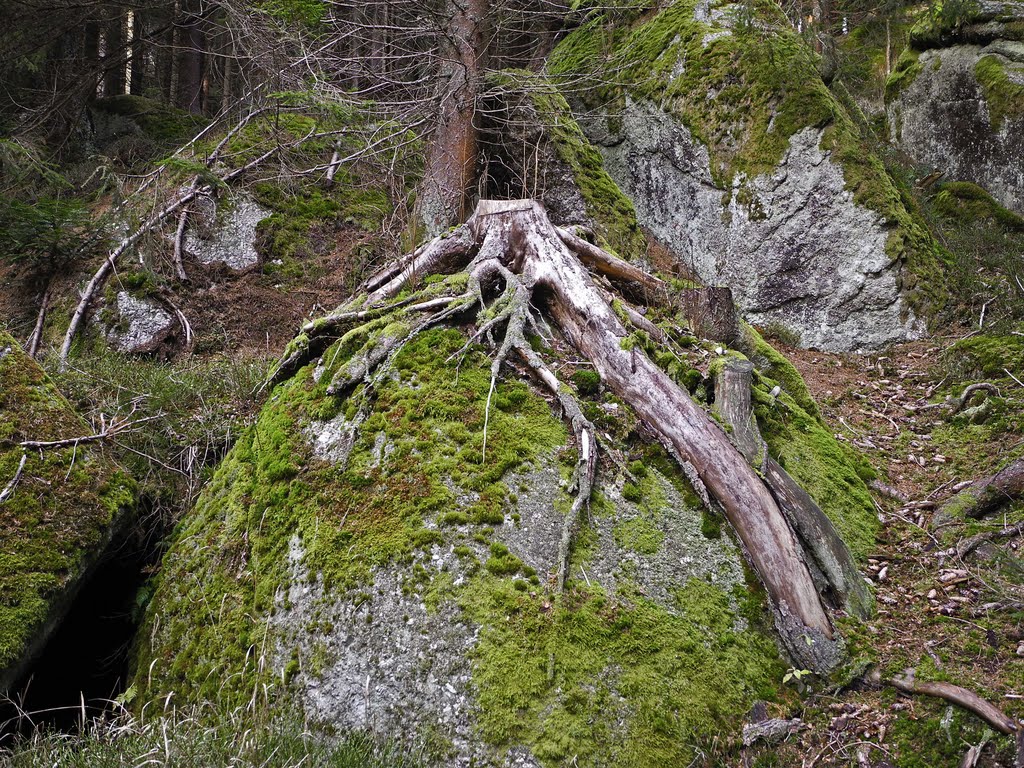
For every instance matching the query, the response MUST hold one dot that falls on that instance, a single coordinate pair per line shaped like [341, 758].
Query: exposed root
[987, 495]
[516, 243]
[965, 548]
[954, 694]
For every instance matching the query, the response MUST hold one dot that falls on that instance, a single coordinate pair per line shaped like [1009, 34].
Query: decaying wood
[987, 495]
[512, 247]
[712, 313]
[518, 237]
[821, 541]
[965, 548]
[609, 265]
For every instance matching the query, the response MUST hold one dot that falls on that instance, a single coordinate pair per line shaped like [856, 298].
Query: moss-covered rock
[739, 158]
[955, 100]
[57, 520]
[366, 556]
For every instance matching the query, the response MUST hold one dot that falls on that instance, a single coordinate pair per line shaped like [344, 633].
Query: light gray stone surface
[942, 120]
[230, 242]
[792, 245]
[388, 658]
[140, 324]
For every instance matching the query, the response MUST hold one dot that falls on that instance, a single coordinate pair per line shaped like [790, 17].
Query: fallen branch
[108, 432]
[8, 490]
[967, 547]
[155, 220]
[32, 346]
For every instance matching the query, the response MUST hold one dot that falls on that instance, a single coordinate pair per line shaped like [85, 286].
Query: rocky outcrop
[229, 240]
[742, 162]
[372, 560]
[956, 100]
[60, 508]
[792, 244]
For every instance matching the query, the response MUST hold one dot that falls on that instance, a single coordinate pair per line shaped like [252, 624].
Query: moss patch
[679, 678]
[1003, 96]
[62, 511]
[376, 510]
[835, 476]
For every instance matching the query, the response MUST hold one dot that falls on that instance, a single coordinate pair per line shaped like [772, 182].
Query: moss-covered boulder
[388, 562]
[61, 508]
[713, 119]
[955, 101]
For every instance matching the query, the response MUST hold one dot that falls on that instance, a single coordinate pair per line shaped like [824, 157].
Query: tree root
[987, 495]
[821, 541]
[960, 697]
[965, 548]
[515, 243]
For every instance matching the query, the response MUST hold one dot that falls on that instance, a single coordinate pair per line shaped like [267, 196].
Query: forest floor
[942, 615]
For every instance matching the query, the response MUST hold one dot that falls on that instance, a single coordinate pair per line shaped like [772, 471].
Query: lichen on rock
[744, 165]
[954, 102]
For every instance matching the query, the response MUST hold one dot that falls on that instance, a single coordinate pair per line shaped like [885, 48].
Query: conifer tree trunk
[445, 195]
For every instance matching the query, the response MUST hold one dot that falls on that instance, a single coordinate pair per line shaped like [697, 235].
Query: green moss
[1003, 97]
[587, 382]
[678, 680]
[938, 734]
[64, 510]
[230, 555]
[968, 203]
[908, 67]
[984, 357]
[775, 366]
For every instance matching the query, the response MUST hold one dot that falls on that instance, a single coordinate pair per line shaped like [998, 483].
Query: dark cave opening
[85, 662]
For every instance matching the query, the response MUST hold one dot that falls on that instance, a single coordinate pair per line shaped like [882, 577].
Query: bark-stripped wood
[821, 540]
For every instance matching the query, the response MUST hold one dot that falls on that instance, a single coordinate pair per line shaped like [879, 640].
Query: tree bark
[445, 193]
[192, 45]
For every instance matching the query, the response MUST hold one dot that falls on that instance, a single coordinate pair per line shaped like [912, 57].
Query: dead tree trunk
[828, 553]
[513, 246]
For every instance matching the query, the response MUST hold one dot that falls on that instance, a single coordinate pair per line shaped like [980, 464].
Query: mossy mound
[372, 559]
[164, 124]
[62, 514]
[742, 82]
